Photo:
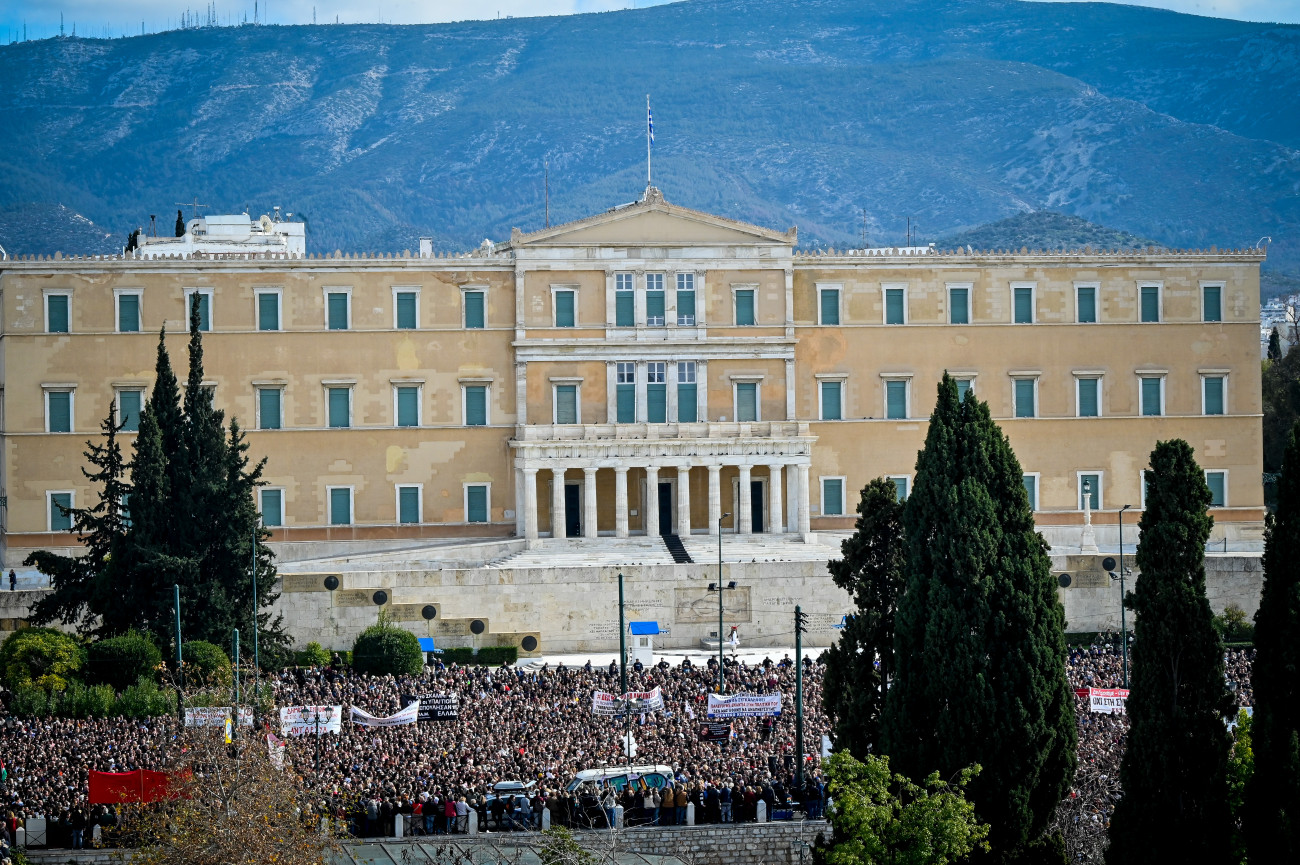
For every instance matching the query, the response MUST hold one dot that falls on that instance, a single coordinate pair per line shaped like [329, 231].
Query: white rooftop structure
[230, 233]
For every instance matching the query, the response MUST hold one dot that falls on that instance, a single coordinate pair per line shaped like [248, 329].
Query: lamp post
[720, 519]
[1123, 618]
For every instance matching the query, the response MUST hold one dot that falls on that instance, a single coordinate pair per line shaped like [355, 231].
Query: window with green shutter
[268, 408]
[564, 315]
[1213, 394]
[1086, 304]
[1031, 490]
[832, 497]
[687, 395]
[408, 406]
[407, 306]
[128, 313]
[128, 414]
[656, 392]
[963, 387]
[747, 401]
[895, 306]
[56, 313]
[1212, 302]
[1024, 305]
[1150, 303]
[1025, 397]
[959, 306]
[59, 409]
[1151, 388]
[900, 487]
[204, 302]
[476, 503]
[340, 407]
[831, 407]
[896, 400]
[625, 309]
[60, 512]
[625, 396]
[1089, 404]
[475, 319]
[272, 508]
[337, 305]
[268, 311]
[1218, 484]
[476, 405]
[686, 299]
[566, 403]
[654, 299]
[340, 506]
[408, 504]
[745, 307]
[1090, 487]
[830, 306]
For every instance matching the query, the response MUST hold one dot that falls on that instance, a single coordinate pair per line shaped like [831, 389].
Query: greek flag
[649, 122]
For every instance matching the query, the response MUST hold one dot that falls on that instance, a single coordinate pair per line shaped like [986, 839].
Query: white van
[653, 776]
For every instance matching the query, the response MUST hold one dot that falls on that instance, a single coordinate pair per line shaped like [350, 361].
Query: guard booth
[429, 649]
[643, 642]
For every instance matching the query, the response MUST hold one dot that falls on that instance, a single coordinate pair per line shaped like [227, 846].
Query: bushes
[313, 656]
[120, 661]
[206, 664]
[462, 655]
[142, 700]
[42, 657]
[488, 656]
[145, 699]
[386, 650]
[1233, 626]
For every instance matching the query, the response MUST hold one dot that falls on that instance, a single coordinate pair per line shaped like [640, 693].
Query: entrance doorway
[757, 506]
[666, 508]
[572, 511]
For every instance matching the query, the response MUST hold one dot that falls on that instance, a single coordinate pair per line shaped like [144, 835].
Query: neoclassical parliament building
[650, 370]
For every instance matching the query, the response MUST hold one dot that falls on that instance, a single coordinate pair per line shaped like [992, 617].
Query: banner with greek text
[215, 716]
[409, 715]
[715, 731]
[1107, 701]
[435, 707]
[744, 705]
[603, 703]
[309, 720]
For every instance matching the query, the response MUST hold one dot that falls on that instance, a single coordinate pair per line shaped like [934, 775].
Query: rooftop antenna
[649, 140]
[909, 231]
[193, 205]
[153, 225]
[546, 168]
[864, 228]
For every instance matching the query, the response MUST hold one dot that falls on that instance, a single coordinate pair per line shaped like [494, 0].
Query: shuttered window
[963, 386]
[831, 409]
[204, 302]
[1088, 393]
[656, 392]
[59, 410]
[337, 307]
[476, 405]
[830, 306]
[1212, 303]
[56, 313]
[686, 299]
[408, 504]
[900, 487]
[1024, 305]
[959, 306]
[128, 313]
[268, 408]
[566, 403]
[340, 407]
[832, 497]
[1150, 303]
[1086, 301]
[268, 311]
[1025, 397]
[624, 309]
[564, 316]
[408, 406]
[476, 503]
[896, 400]
[1151, 388]
[129, 402]
[747, 401]
[340, 506]
[474, 317]
[1213, 394]
[686, 403]
[654, 299]
[407, 318]
[272, 508]
[894, 306]
[745, 307]
[1031, 490]
[60, 516]
[1090, 486]
[1218, 484]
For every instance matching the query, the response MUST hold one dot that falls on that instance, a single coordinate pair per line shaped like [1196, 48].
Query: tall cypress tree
[1174, 773]
[853, 693]
[1273, 792]
[1274, 346]
[980, 642]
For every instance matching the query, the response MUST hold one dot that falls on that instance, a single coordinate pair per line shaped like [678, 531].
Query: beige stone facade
[613, 383]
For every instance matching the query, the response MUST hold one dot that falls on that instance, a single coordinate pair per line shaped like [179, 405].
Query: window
[338, 309]
[204, 296]
[476, 405]
[566, 403]
[746, 401]
[562, 300]
[406, 309]
[129, 403]
[406, 404]
[270, 414]
[58, 410]
[832, 497]
[964, 386]
[744, 300]
[959, 306]
[340, 499]
[1026, 397]
[1031, 490]
[57, 311]
[475, 316]
[654, 299]
[625, 392]
[829, 305]
[1022, 304]
[128, 310]
[1085, 304]
[1090, 488]
[896, 399]
[408, 504]
[268, 310]
[340, 406]
[687, 392]
[1218, 484]
[895, 305]
[624, 300]
[1152, 395]
[656, 392]
[1150, 303]
[1143, 480]
[685, 300]
[900, 485]
[831, 396]
[1087, 396]
[58, 506]
[476, 503]
[1212, 302]
[1212, 401]
[272, 507]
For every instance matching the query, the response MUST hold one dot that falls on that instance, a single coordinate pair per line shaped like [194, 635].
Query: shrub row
[144, 699]
[488, 656]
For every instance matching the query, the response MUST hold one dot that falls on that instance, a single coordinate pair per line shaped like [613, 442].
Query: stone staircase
[762, 548]
[676, 550]
[589, 553]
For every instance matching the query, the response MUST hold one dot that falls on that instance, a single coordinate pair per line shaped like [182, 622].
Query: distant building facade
[644, 370]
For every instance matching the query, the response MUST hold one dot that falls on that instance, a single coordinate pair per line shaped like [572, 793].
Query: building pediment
[652, 221]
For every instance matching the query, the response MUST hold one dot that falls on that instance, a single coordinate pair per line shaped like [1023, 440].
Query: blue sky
[118, 17]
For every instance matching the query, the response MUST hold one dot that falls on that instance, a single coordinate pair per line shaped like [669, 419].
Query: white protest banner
[1107, 701]
[275, 746]
[304, 720]
[215, 716]
[409, 715]
[603, 703]
[744, 705]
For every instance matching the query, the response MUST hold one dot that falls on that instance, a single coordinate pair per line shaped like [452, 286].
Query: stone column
[701, 384]
[651, 521]
[642, 401]
[530, 506]
[557, 503]
[519, 503]
[589, 501]
[670, 386]
[620, 502]
[775, 500]
[744, 509]
[684, 501]
[715, 498]
[805, 517]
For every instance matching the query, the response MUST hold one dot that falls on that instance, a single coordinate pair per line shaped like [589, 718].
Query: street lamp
[1123, 618]
[719, 589]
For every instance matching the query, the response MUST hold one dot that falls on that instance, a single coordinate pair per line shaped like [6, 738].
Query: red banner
[113, 788]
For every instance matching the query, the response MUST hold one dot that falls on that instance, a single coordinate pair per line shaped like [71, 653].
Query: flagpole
[647, 140]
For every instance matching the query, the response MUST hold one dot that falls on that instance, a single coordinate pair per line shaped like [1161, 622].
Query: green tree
[559, 847]
[40, 657]
[980, 642]
[1280, 387]
[1273, 796]
[1241, 768]
[881, 817]
[1174, 772]
[206, 664]
[1274, 346]
[853, 693]
[180, 224]
[120, 661]
[384, 649]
